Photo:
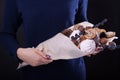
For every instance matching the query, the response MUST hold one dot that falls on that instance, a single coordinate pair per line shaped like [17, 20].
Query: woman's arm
[10, 24]
[8, 40]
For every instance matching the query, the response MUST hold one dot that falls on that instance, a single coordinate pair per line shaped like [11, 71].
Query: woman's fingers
[43, 53]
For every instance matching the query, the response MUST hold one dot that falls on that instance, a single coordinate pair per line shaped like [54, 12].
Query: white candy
[88, 46]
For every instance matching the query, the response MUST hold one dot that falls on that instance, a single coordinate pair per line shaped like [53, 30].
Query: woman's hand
[33, 56]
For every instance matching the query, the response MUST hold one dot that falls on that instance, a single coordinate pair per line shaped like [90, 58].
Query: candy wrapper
[76, 41]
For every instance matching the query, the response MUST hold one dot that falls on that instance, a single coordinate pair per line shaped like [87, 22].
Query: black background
[103, 66]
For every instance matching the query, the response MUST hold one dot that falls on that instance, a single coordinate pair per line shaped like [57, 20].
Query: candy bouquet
[76, 41]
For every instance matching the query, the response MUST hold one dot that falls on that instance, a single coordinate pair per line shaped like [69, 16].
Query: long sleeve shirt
[40, 19]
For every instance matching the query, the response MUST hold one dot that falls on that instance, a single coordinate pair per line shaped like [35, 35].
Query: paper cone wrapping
[61, 47]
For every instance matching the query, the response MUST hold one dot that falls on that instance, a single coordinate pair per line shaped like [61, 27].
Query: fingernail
[47, 56]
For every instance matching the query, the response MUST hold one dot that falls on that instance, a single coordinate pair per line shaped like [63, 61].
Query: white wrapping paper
[61, 47]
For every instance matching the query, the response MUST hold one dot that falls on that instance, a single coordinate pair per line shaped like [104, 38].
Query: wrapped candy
[76, 41]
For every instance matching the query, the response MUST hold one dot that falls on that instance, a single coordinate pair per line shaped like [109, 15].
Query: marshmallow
[88, 46]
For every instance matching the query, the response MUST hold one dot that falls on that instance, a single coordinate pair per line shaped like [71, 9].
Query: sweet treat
[76, 41]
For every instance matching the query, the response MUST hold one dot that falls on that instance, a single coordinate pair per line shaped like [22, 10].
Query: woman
[42, 19]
